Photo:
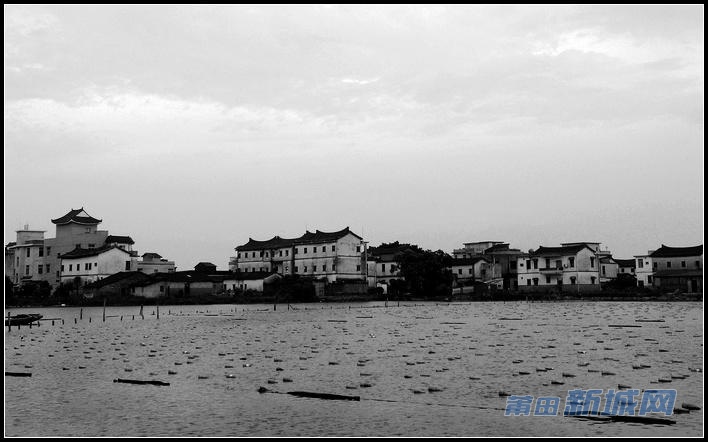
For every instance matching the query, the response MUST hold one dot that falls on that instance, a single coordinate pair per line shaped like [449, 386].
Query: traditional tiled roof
[467, 261]
[78, 216]
[151, 255]
[388, 249]
[78, 252]
[676, 252]
[607, 260]
[116, 277]
[10, 244]
[120, 239]
[308, 238]
[564, 250]
[626, 262]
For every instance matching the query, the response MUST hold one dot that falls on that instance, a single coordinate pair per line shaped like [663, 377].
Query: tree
[426, 273]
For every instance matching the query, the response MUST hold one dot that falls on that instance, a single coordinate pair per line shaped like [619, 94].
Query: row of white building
[580, 267]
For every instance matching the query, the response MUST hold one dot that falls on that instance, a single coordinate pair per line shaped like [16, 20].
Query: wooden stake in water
[8, 322]
[158, 311]
[141, 312]
[81, 314]
[104, 309]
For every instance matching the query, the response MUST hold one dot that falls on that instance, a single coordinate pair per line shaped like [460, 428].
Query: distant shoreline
[535, 297]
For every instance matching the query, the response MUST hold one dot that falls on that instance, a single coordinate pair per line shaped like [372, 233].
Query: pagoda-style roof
[277, 242]
[77, 216]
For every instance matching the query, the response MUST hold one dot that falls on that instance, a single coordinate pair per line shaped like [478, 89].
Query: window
[334, 248]
[304, 269]
[127, 265]
[528, 282]
[41, 251]
[18, 261]
[535, 281]
[571, 262]
[358, 249]
[39, 269]
[572, 280]
[324, 248]
[294, 269]
[47, 268]
[28, 252]
[592, 262]
[86, 266]
[162, 288]
[49, 250]
[512, 264]
[238, 255]
[548, 264]
[683, 264]
[324, 268]
[70, 267]
[559, 264]
[286, 252]
[649, 279]
[668, 265]
[640, 263]
[603, 270]
[521, 263]
[592, 279]
[655, 265]
[266, 254]
[62, 267]
[528, 263]
[88, 229]
[535, 263]
[295, 252]
[548, 279]
[470, 271]
[383, 267]
[358, 268]
[314, 268]
[459, 271]
[261, 253]
[26, 270]
[280, 253]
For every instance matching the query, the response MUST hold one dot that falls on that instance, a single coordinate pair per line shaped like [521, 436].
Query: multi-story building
[501, 258]
[626, 266]
[383, 263]
[672, 268]
[90, 265]
[570, 268]
[154, 263]
[331, 255]
[36, 258]
[25, 258]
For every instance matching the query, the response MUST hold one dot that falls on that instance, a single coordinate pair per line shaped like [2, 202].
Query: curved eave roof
[76, 216]
[308, 237]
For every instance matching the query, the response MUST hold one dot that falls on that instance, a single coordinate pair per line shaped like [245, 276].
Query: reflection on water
[436, 367]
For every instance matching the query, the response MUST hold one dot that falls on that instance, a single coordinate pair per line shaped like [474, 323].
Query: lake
[422, 369]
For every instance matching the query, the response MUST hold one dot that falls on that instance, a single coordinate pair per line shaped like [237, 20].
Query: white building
[154, 263]
[94, 264]
[569, 268]
[332, 255]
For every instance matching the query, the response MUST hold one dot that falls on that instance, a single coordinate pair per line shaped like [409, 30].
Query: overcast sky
[193, 128]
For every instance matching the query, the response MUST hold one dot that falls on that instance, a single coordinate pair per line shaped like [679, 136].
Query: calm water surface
[395, 358]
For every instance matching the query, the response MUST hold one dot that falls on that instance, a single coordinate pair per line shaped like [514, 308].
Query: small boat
[23, 319]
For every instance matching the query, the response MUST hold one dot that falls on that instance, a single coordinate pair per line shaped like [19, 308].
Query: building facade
[569, 268]
[671, 269]
[502, 259]
[332, 256]
[36, 258]
[154, 263]
[90, 265]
